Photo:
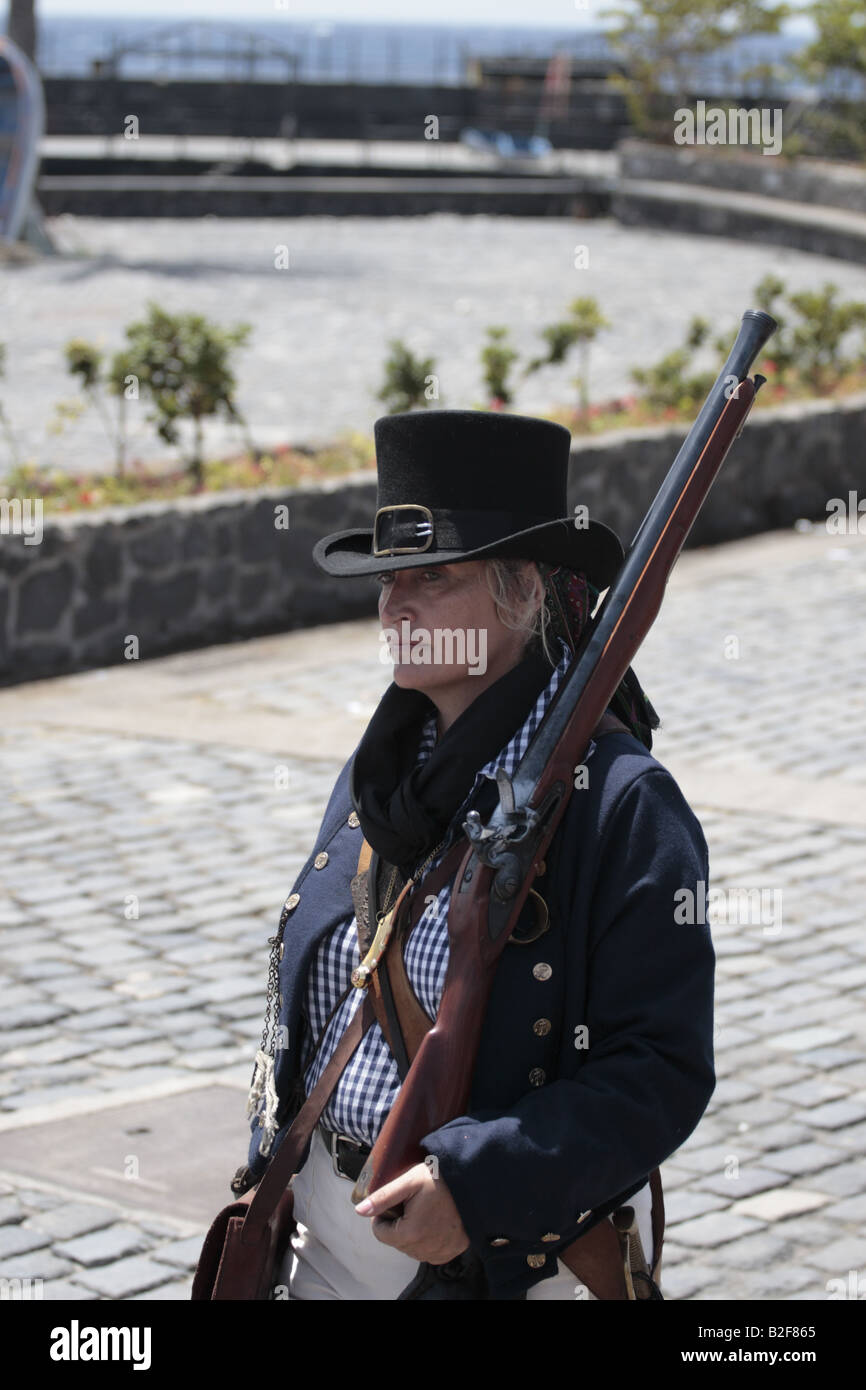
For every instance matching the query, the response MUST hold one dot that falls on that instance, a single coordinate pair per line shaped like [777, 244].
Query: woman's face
[443, 630]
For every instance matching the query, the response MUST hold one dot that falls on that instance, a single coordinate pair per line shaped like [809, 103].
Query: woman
[595, 1061]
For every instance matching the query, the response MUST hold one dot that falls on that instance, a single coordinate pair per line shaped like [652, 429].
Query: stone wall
[99, 105]
[596, 116]
[199, 571]
[740, 217]
[175, 574]
[810, 205]
[785, 466]
[819, 182]
[383, 195]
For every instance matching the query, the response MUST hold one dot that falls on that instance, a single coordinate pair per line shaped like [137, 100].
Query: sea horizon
[322, 50]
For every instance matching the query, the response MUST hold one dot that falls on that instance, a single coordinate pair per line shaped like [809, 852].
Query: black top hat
[465, 484]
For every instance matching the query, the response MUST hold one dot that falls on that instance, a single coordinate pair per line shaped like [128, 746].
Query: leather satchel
[247, 1240]
[240, 1263]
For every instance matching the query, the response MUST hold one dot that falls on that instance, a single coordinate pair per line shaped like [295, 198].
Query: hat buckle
[424, 529]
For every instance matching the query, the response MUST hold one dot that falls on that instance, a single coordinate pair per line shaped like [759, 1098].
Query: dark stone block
[44, 598]
[255, 591]
[217, 582]
[15, 556]
[104, 563]
[103, 649]
[4, 624]
[163, 606]
[33, 660]
[157, 547]
[96, 613]
[225, 533]
[258, 537]
[820, 463]
[55, 543]
[214, 630]
[197, 539]
[315, 510]
[853, 447]
[314, 606]
[295, 552]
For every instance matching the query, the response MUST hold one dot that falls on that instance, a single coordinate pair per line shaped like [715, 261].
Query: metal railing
[366, 54]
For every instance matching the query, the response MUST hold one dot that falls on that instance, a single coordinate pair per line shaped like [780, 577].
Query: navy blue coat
[557, 1128]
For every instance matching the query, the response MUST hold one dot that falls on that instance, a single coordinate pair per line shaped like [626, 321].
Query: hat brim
[594, 549]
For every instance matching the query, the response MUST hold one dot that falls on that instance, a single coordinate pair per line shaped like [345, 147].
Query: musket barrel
[755, 328]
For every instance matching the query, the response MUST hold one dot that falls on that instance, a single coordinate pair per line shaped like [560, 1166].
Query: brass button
[541, 1026]
[542, 970]
[536, 1261]
[281, 999]
[583, 1215]
[321, 859]
[551, 1235]
[292, 901]
[500, 1240]
[282, 949]
[542, 868]
[536, 1077]
[353, 819]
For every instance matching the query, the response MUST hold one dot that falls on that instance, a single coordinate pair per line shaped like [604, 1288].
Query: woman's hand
[430, 1229]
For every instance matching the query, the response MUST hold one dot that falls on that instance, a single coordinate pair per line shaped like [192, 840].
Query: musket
[504, 856]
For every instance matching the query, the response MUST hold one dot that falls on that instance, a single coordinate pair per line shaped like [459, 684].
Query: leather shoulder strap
[364, 857]
[413, 1020]
[658, 1221]
[380, 984]
[399, 1013]
[285, 1161]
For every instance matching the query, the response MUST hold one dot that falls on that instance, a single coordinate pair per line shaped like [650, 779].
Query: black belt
[347, 1155]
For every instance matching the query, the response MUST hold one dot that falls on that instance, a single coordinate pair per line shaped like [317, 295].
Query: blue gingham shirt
[368, 1087]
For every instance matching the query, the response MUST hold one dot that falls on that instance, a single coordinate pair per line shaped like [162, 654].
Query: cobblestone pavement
[189, 788]
[315, 359]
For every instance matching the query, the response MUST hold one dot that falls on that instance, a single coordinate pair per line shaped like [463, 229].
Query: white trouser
[334, 1254]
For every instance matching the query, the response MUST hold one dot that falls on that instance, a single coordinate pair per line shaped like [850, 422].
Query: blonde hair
[514, 586]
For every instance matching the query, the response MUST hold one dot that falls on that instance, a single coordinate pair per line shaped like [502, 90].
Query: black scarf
[405, 810]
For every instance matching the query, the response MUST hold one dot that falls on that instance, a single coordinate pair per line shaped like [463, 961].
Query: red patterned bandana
[571, 599]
